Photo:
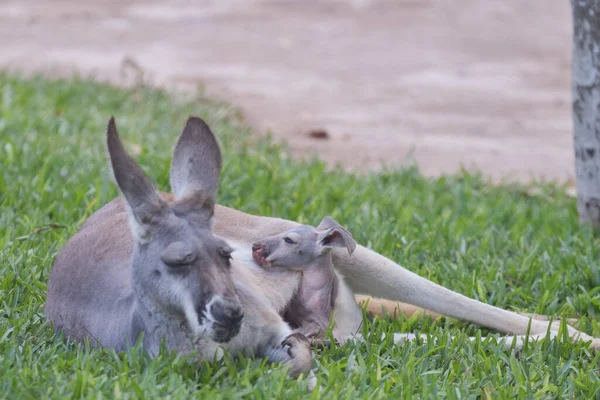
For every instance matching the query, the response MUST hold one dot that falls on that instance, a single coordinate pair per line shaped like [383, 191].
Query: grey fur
[168, 276]
[195, 167]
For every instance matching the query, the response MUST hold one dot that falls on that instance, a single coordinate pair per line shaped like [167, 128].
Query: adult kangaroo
[166, 275]
[365, 272]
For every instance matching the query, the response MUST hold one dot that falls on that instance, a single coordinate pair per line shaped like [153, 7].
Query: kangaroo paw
[293, 351]
[298, 348]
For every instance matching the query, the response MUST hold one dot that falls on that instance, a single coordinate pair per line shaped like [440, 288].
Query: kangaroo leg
[382, 307]
[370, 273]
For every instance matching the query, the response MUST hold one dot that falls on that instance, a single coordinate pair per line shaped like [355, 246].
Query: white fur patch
[243, 255]
[198, 329]
[140, 234]
[192, 318]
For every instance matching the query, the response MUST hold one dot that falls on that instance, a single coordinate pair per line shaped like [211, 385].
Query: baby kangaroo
[302, 256]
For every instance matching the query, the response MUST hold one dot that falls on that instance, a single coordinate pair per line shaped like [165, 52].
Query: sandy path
[486, 85]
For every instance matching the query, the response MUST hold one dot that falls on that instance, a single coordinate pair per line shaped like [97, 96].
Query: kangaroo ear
[144, 202]
[196, 165]
[331, 234]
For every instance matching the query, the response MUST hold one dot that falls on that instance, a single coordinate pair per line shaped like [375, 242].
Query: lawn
[517, 247]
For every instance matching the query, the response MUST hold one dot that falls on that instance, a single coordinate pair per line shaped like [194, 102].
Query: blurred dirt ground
[444, 83]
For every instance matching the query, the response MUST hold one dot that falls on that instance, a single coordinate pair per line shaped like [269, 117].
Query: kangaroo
[366, 272]
[318, 290]
[166, 276]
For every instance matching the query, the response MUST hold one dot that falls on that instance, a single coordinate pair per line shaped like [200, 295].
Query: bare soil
[442, 83]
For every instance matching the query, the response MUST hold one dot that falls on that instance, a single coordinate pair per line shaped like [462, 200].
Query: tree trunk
[586, 107]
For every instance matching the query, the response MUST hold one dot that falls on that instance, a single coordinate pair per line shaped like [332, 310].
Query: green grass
[510, 246]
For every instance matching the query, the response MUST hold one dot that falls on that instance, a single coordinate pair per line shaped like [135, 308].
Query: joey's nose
[228, 316]
[259, 253]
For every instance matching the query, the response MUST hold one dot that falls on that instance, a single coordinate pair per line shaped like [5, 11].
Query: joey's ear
[327, 223]
[144, 202]
[196, 165]
[332, 234]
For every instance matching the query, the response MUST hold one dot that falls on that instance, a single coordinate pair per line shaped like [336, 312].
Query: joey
[304, 252]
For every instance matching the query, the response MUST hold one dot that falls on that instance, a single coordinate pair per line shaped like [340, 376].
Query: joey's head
[299, 247]
[180, 269]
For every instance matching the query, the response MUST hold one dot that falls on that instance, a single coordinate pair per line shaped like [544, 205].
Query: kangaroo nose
[228, 316]
[259, 253]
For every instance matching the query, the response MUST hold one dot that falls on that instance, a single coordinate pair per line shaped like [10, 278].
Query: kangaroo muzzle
[227, 318]
[260, 254]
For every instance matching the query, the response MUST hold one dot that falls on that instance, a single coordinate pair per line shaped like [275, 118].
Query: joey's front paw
[298, 348]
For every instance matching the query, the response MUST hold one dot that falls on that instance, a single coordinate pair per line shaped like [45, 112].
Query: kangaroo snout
[260, 254]
[227, 316]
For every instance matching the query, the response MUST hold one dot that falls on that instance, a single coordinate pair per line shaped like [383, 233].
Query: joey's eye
[288, 240]
[178, 254]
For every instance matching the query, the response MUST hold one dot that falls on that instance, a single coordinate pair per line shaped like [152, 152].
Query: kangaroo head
[180, 269]
[300, 246]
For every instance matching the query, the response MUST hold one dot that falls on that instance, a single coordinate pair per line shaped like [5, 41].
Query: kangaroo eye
[178, 254]
[288, 240]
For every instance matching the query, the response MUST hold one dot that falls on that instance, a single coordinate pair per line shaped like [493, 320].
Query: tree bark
[586, 107]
